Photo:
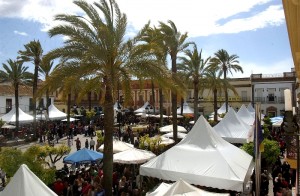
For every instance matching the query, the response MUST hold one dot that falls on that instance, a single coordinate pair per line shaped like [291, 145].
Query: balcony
[260, 99]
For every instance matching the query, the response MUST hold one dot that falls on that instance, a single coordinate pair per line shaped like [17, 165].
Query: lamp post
[147, 109]
[291, 135]
[119, 120]
[40, 109]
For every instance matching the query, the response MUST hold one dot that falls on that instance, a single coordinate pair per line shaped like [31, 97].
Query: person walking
[87, 144]
[78, 144]
[92, 144]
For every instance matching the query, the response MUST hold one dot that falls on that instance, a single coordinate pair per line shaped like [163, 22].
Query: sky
[253, 30]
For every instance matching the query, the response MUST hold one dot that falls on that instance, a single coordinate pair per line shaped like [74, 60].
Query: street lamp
[75, 109]
[147, 110]
[119, 116]
[40, 109]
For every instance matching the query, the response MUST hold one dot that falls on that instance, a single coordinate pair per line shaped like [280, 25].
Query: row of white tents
[203, 158]
[53, 114]
[207, 157]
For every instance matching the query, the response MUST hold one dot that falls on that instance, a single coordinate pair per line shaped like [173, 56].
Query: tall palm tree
[193, 65]
[175, 42]
[152, 38]
[33, 53]
[16, 74]
[212, 80]
[45, 68]
[226, 63]
[96, 48]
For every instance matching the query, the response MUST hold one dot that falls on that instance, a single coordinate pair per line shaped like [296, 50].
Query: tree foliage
[11, 159]
[270, 153]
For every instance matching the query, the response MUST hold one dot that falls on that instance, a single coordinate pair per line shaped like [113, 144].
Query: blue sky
[254, 30]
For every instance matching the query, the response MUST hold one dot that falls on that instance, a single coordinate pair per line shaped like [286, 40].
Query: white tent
[142, 109]
[26, 183]
[118, 146]
[169, 128]
[133, 156]
[245, 115]
[203, 158]
[186, 109]
[116, 106]
[10, 117]
[71, 119]
[250, 108]
[55, 114]
[170, 135]
[222, 109]
[181, 188]
[232, 129]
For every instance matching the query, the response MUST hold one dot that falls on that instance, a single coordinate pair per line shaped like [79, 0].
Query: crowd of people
[87, 180]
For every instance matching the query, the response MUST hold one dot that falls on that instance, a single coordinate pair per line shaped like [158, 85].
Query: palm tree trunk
[90, 100]
[153, 96]
[215, 105]
[174, 100]
[68, 111]
[181, 106]
[196, 101]
[34, 89]
[226, 92]
[161, 106]
[108, 137]
[17, 107]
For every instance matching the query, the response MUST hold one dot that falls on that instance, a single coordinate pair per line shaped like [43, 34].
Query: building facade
[268, 90]
[258, 88]
[7, 98]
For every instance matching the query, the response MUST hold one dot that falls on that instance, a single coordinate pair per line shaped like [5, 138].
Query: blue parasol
[83, 156]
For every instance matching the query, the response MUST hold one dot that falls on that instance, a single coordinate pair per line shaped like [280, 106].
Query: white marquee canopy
[232, 129]
[203, 158]
[26, 183]
[10, 117]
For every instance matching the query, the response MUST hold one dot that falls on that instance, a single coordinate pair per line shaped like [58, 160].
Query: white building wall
[23, 103]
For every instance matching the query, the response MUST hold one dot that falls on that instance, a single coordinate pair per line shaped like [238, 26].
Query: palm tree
[95, 47]
[33, 53]
[175, 42]
[226, 63]
[193, 65]
[45, 69]
[212, 80]
[152, 38]
[17, 74]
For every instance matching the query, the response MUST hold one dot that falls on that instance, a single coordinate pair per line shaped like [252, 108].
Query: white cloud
[270, 69]
[20, 33]
[198, 18]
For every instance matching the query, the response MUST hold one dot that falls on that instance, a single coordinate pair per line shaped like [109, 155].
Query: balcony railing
[222, 99]
[267, 99]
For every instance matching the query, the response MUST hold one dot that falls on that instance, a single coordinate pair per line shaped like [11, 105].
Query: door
[8, 105]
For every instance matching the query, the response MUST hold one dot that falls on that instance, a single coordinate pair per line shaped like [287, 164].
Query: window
[8, 105]
[244, 95]
[30, 104]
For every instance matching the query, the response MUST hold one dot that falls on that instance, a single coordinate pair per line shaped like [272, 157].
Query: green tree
[212, 80]
[16, 74]
[45, 69]
[153, 40]
[96, 48]
[54, 153]
[270, 153]
[11, 159]
[33, 53]
[193, 66]
[226, 63]
[175, 42]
